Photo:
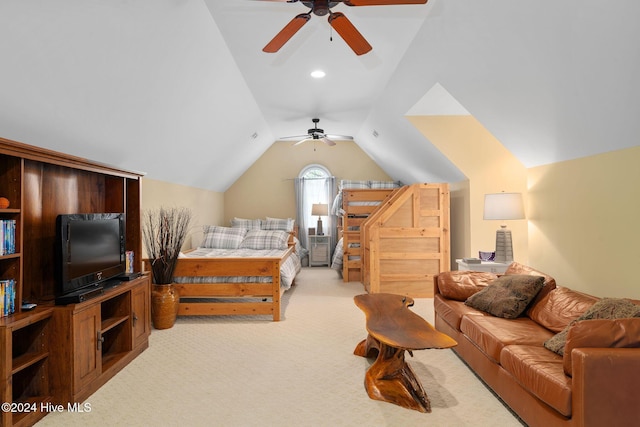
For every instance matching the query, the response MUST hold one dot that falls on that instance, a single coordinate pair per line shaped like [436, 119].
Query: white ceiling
[178, 88]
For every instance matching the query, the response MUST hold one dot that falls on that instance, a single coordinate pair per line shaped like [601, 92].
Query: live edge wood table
[393, 328]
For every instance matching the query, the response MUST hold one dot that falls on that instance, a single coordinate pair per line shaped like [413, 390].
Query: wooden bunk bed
[405, 241]
[357, 205]
[234, 285]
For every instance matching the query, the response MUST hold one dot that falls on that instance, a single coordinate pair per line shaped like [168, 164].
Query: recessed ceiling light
[318, 74]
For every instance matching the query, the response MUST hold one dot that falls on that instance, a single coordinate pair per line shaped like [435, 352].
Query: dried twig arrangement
[163, 232]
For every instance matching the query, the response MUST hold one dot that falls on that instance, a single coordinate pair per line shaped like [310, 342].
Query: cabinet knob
[135, 319]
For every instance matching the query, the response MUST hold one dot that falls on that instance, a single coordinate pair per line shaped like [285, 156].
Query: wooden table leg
[390, 378]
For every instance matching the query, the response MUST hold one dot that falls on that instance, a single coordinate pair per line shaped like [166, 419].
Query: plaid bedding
[288, 269]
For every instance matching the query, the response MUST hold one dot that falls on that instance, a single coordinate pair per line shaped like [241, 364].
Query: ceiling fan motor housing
[320, 7]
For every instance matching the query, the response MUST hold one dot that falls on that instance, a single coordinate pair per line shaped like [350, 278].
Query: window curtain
[299, 187]
[332, 189]
[315, 190]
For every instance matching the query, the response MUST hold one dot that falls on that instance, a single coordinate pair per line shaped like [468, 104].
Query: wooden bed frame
[267, 294]
[405, 242]
[354, 216]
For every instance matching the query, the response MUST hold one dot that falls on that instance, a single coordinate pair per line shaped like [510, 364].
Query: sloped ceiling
[180, 89]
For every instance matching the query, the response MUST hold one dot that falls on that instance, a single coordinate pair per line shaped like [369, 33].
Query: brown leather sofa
[595, 382]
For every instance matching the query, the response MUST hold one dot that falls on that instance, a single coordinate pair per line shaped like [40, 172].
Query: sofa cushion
[460, 285]
[606, 308]
[559, 307]
[601, 333]
[540, 372]
[452, 311]
[507, 296]
[491, 334]
[515, 268]
[549, 282]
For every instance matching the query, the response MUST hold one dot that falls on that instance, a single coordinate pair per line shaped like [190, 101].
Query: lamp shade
[320, 209]
[503, 206]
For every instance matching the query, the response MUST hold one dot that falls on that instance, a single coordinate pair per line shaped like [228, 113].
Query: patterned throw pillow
[284, 224]
[507, 296]
[249, 224]
[347, 184]
[606, 308]
[265, 239]
[385, 184]
[217, 237]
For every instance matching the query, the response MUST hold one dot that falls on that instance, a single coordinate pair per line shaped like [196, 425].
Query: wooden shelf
[26, 360]
[104, 338]
[41, 349]
[108, 324]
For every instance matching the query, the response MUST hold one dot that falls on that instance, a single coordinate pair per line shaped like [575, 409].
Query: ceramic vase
[164, 305]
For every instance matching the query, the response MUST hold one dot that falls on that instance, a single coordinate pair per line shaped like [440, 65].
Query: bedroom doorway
[315, 185]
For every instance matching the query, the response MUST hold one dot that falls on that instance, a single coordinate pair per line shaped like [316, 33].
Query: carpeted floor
[301, 371]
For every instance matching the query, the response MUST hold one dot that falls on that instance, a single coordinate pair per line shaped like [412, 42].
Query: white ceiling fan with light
[315, 134]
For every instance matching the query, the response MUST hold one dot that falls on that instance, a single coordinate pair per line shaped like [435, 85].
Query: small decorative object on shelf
[486, 255]
[163, 232]
[4, 203]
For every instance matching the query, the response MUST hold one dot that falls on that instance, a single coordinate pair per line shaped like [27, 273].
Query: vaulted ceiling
[181, 89]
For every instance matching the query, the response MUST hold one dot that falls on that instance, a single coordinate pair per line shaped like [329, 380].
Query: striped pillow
[216, 237]
[347, 184]
[265, 239]
[385, 184]
[248, 224]
[285, 224]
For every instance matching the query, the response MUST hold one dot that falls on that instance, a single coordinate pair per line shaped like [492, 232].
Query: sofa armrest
[605, 383]
[601, 333]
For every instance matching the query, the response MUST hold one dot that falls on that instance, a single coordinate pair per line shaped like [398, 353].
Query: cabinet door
[87, 353]
[140, 313]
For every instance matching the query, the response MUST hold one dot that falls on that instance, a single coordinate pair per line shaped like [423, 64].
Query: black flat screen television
[90, 250]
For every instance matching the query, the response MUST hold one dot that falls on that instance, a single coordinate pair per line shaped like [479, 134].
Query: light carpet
[301, 371]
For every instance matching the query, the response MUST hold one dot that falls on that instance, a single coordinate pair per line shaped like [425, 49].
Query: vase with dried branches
[163, 232]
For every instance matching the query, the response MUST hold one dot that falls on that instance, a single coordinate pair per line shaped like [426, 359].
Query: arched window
[314, 172]
[315, 184]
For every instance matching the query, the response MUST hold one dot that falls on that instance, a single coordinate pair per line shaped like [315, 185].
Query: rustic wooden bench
[393, 328]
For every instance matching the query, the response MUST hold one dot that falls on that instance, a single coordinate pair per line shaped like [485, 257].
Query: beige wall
[460, 223]
[266, 188]
[581, 214]
[489, 168]
[583, 222]
[207, 206]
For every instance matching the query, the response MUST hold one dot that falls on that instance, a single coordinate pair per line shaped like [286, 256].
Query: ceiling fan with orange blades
[315, 134]
[337, 20]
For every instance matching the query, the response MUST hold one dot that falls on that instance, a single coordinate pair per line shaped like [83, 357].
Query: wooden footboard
[214, 298]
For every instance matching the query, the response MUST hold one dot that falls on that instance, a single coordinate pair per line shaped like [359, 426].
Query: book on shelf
[7, 236]
[7, 297]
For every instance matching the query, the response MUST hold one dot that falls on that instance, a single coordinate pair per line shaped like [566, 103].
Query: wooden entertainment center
[60, 355]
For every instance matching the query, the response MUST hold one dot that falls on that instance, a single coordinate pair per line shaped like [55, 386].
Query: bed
[238, 271]
[400, 244]
[353, 204]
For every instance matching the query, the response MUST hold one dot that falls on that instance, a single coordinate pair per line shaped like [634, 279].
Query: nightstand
[319, 250]
[488, 266]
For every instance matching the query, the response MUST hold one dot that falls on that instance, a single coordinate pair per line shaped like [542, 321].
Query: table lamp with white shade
[319, 210]
[503, 207]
